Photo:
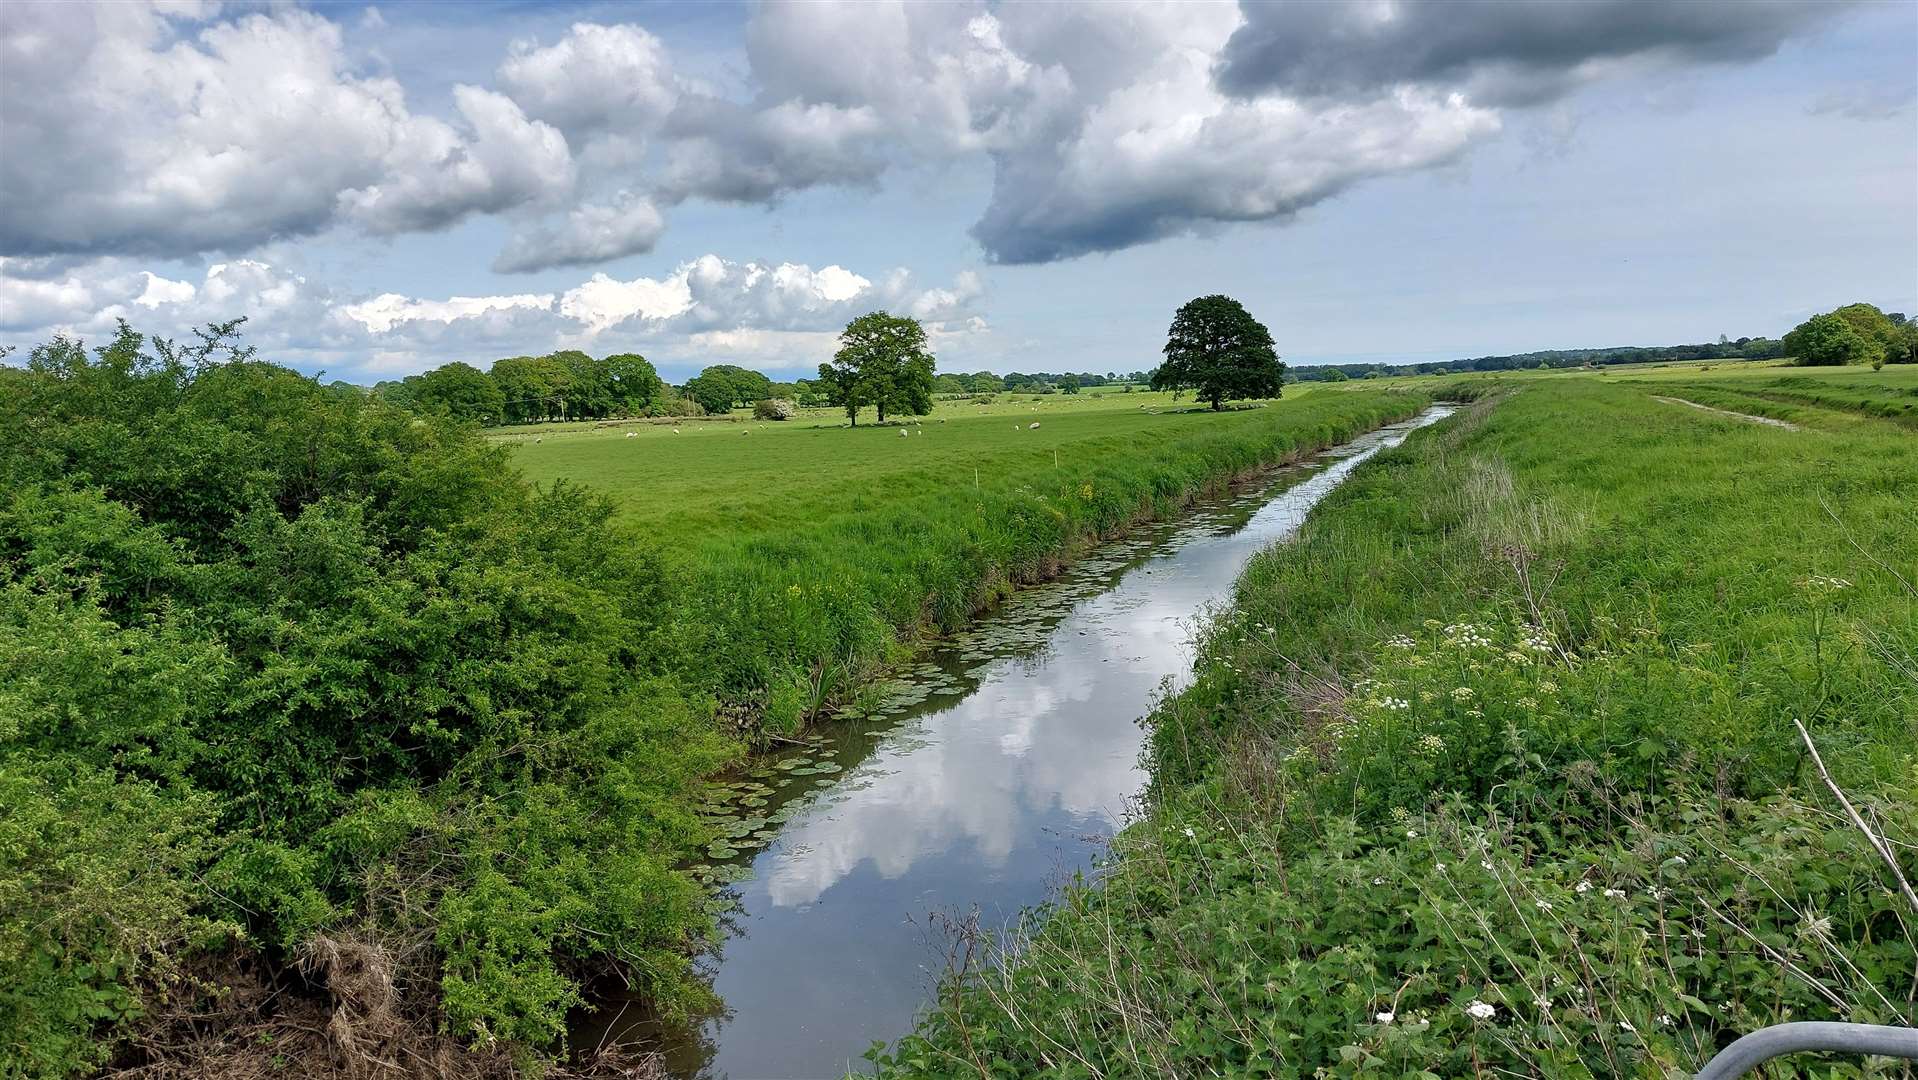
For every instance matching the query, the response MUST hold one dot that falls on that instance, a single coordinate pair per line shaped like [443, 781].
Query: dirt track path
[1727, 412]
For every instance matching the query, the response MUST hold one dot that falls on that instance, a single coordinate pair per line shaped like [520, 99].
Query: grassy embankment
[808, 559]
[1493, 770]
[1792, 394]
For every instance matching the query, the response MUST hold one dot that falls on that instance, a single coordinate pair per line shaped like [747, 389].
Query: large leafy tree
[1218, 350]
[1877, 328]
[634, 382]
[591, 393]
[524, 387]
[1829, 340]
[723, 387]
[462, 391]
[557, 374]
[882, 361]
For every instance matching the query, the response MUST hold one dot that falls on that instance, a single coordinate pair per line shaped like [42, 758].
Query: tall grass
[778, 622]
[1494, 770]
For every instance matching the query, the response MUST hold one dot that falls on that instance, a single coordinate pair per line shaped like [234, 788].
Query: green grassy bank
[808, 560]
[1493, 771]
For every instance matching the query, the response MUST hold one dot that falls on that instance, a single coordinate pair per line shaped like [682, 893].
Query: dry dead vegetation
[353, 1009]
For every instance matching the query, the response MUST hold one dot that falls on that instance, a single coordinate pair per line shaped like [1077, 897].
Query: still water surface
[998, 772]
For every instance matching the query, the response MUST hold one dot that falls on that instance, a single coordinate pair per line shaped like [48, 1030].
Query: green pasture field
[808, 560]
[699, 478]
[1494, 770]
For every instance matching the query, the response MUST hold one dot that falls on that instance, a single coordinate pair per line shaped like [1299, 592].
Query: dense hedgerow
[1494, 770]
[276, 660]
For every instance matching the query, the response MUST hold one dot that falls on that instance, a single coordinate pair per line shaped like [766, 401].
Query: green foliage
[245, 619]
[632, 381]
[883, 362]
[1508, 726]
[97, 880]
[723, 387]
[523, 386]
[1218, 350]
[461, 391]
[1827, 340]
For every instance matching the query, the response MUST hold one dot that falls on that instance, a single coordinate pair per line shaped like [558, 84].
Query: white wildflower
[1384, 1017]
[1583, 887]
[1479, 1010]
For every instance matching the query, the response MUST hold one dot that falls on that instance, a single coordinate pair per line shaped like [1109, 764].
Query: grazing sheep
[632, 434]
[1034, 426]
[675, 431]
[903, 433]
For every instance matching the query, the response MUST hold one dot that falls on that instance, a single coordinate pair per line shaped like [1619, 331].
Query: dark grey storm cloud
[1499, 52]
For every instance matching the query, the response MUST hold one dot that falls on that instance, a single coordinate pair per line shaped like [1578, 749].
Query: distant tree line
[1744, 348]
[570, 385]
[565, 385]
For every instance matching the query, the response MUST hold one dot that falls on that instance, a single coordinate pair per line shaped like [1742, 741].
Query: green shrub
[304, 662]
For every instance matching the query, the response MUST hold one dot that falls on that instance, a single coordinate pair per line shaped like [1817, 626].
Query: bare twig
[1883, 849]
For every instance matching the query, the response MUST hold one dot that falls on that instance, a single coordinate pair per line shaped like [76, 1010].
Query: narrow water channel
[994, 772]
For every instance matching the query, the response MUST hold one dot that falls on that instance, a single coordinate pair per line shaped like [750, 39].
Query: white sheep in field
[1034, 426]
[632, 434]
[903, 433]
[675, 431]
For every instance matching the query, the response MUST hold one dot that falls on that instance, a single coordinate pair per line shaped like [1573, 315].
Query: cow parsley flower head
[1384, 1017]
[1479, 1010]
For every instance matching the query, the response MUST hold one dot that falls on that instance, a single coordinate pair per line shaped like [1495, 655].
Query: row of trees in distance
[884, 364]
[571, 385]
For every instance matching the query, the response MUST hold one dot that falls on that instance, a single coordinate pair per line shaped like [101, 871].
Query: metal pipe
[1779, 1039]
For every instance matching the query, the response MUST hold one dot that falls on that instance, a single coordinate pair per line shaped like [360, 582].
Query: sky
[383, 189]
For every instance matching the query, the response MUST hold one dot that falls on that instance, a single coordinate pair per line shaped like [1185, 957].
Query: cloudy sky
[384, 189]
